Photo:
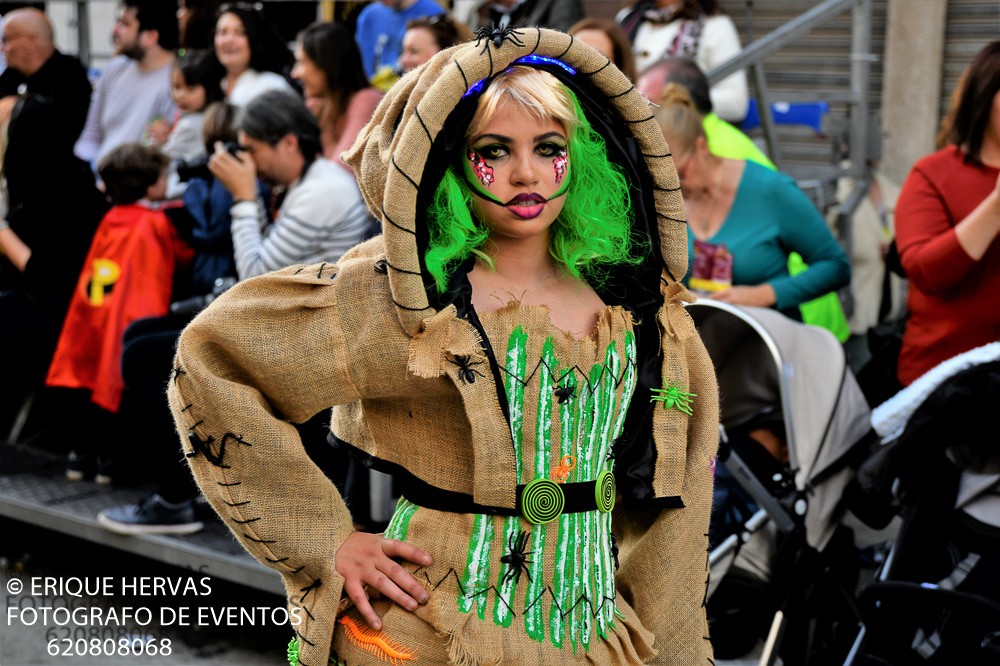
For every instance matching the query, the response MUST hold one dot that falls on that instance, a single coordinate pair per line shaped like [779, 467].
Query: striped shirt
[125, 100]
[321, 218]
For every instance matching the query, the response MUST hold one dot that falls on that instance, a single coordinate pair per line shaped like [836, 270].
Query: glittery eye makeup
[481, 170]
[560, 164]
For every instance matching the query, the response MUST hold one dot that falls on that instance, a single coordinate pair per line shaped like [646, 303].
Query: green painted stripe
[476, 577]
[629, 388]
[566, 540]
[502, 608]
[574, 588]
[399, 524]
[608, 389]
[587, 571]
[517, 348]
[557, 625]
[584, 418]
[598, 413]
[534, 617]
[543, 419]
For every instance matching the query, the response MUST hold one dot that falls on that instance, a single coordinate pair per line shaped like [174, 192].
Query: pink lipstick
[526, 206]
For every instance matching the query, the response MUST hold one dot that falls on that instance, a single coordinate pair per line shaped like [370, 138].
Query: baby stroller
[779, 556]
[936, 599]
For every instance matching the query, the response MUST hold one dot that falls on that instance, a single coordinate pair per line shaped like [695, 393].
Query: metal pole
[861, 59]
[83, 32]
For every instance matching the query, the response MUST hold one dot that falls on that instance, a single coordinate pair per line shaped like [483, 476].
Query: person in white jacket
[695, 29]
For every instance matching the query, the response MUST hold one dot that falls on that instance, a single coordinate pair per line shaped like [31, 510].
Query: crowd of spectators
[250, 127]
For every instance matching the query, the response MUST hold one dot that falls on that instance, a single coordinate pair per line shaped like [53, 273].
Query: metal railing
[862, 149]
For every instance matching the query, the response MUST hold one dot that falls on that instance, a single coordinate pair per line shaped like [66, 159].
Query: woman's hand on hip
[370, 559]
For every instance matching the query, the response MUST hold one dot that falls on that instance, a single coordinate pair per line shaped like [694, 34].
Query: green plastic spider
[675, 397]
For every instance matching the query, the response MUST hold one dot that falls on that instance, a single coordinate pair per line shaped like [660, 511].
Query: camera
[199, 168]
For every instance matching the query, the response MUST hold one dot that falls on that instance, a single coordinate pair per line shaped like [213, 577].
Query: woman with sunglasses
[514, 349]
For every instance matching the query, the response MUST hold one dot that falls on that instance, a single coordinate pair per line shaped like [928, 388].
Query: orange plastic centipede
[376, 642]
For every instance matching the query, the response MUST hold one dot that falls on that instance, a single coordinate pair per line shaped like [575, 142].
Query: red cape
[128, 275]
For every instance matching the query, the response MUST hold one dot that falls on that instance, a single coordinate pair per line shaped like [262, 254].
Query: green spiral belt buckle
[542, 501]
[605, 491]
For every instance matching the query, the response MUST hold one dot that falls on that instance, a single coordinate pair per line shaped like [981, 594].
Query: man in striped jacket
[321, 214]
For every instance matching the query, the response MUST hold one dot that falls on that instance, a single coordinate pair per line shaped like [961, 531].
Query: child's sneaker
[151, 515]
[79, 466]
[105, 468]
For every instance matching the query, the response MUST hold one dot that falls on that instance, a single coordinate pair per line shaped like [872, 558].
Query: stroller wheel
[739, 613]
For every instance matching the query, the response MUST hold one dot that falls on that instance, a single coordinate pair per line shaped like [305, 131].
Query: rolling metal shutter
[970, 25]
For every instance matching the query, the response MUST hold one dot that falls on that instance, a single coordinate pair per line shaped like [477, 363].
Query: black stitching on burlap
[244, 522]
[402, 270]
[405, 175]
[571, 40]
[636, 122]
[416, 112]
[256, 540]
[393, 223]
[622, 94]
[404, 307]
[597, 71]
[672, 219]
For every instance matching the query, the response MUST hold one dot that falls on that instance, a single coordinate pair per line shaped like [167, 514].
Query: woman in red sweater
[947, 230]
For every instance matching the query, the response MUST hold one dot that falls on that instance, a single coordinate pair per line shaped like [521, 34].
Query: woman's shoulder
[252, 83]
[761, 176]
[364, 101]
[943, 161]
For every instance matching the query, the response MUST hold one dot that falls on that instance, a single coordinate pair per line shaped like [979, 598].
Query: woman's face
[232, 47]
[519, 165]
[598, 40]
[687, 162]
[312, 78]
[418, 47]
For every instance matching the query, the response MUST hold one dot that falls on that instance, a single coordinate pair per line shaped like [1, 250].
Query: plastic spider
[466, 368]
[675, 397]
[516, 558]
[564, 393]
[497, 34]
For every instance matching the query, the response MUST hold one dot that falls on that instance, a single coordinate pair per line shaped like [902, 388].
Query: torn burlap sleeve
[664, 554]
[270, 352]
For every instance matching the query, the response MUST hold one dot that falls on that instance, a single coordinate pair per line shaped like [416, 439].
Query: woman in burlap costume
[552, 415]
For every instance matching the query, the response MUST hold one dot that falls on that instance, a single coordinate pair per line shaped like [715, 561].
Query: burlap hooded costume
[420, 388]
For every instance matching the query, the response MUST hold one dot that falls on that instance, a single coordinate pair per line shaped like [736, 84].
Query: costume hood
[400, 156]
[418, 128]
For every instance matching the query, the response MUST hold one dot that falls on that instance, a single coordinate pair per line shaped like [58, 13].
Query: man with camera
[321, 215]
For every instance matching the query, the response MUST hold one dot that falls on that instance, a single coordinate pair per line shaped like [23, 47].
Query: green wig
[592, 233]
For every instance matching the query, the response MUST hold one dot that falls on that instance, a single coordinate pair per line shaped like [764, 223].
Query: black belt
[538, 502]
